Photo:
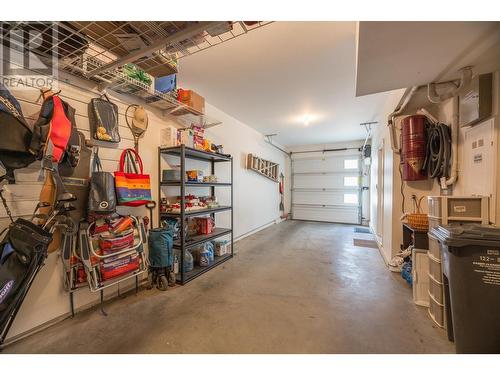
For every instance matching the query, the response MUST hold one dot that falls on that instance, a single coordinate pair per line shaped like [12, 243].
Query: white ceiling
[393, 55]
[273, 76]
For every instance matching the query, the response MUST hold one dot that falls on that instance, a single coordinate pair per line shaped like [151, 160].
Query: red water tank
[413, 147]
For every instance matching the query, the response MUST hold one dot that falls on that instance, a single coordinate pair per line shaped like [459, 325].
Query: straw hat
[140, 119]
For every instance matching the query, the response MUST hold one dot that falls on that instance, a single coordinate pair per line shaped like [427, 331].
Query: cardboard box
[185, 137]
[222, 247]
[192, 100]
[206, 225]
[194, 175]
[168, 137]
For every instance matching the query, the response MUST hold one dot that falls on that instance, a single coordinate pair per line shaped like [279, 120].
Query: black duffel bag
[102, 196]
[22, 254]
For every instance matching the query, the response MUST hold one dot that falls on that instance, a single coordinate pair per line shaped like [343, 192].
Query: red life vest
[60, 131]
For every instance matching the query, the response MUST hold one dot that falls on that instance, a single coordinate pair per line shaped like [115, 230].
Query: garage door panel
[323, 187]
[332, 164]
[308, 165]
[330, 214]
[321, 197]
[326, 181]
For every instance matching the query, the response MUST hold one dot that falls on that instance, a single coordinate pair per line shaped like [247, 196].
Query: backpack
[16, 136]
[54, 130]
[53, 134]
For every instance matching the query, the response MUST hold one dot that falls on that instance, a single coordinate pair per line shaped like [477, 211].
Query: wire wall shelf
[101, 51]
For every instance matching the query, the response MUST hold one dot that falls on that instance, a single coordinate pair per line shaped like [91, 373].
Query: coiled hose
[438, 154]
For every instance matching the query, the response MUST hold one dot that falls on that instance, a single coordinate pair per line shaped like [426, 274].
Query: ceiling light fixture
[306, 119]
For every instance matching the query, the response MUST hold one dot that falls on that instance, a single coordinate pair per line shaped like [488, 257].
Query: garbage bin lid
[467, 234]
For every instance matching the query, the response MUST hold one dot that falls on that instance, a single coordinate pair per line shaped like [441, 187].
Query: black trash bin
[471, 265]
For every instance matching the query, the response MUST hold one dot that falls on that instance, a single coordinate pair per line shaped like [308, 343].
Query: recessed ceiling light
[307, 119]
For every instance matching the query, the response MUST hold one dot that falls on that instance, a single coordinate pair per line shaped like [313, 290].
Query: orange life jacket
[60, 131]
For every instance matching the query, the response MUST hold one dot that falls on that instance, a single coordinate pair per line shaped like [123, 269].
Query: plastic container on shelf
[469, 208]
[434, 247]
[458, 209]
[436, 290]
[204, 256]
[434, 204]
[188, 261]
[211, 251]
[435, 269]
[436, 311]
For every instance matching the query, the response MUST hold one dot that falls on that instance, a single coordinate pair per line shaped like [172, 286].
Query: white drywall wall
[381, 139]
[256, 199]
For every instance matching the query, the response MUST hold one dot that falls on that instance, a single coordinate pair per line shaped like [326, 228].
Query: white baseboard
[258, 229]
[380, 245]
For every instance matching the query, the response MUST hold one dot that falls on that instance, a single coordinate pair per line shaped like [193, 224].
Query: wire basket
[418, 221]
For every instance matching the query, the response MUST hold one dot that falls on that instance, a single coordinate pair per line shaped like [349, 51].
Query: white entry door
[326, 186]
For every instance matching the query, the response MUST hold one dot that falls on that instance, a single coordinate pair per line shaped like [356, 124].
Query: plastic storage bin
[459, 209]
[436, 290]
[420, 277]
[171, 175]
[434, 247]
[471, 255]
[464, 208]
[166, 84]
[436, 311]
[435, 269]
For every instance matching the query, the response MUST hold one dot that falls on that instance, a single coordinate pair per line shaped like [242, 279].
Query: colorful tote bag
[133, 187]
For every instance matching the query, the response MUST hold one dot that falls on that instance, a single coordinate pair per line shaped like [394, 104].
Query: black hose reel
[438, 153]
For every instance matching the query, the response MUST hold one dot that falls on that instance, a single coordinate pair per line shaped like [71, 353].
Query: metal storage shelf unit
[184, 243]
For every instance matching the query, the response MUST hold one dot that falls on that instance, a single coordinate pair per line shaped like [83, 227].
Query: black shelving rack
[183, 244]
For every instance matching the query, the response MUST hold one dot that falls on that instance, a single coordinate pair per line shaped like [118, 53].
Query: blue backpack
[161, 242]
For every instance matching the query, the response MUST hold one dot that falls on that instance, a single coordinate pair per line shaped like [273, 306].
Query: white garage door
[326, 186]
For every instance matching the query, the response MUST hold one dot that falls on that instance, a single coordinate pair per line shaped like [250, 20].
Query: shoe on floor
[397, 261]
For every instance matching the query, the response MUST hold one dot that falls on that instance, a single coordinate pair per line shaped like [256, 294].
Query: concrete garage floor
[296, 287]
